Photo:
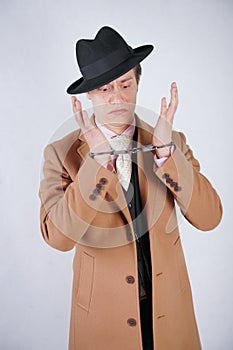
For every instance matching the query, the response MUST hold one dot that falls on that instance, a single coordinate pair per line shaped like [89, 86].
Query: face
[114, 103]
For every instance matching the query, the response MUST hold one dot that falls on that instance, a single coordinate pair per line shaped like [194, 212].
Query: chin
[116, 121]
[121, 120]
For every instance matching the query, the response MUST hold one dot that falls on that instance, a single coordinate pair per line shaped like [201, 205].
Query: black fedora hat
[104, 59]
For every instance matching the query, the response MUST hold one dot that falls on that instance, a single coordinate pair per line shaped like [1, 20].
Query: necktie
[123, 162]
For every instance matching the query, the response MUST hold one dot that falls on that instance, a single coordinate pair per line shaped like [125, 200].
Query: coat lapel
[153, 195]
[144, 138]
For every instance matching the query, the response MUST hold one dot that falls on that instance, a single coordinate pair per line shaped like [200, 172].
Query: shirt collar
[110, 134]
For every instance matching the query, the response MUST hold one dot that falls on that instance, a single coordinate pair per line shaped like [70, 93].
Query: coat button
[177, 188]
[132, 322]
[129, 205]
[169, 180]
[130, 279]
[92, 197]
[99, 186]
[103, 181]
[165, 176]
[96, 191]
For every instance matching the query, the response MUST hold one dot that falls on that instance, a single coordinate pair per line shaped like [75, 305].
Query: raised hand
[163, 129]
[94, 137]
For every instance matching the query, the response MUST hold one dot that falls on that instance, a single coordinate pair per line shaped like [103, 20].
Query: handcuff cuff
[144, 149]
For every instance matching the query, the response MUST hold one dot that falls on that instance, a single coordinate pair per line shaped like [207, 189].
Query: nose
[116, 96]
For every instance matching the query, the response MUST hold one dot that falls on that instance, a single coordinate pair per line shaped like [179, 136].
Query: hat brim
[81, 85]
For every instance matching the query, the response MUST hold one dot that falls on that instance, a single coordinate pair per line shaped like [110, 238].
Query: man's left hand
[163, 130]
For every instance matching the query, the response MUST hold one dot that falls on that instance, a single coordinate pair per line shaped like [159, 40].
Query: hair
[138, 72]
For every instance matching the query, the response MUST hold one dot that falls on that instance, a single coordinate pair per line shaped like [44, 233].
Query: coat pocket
[86, 279]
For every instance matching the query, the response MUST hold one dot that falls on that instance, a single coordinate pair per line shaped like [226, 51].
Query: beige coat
[105, 305]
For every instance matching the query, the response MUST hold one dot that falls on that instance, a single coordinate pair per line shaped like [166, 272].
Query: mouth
[118, 111]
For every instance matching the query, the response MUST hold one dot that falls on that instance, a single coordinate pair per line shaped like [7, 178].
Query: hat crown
[98, 54]
[104, 59]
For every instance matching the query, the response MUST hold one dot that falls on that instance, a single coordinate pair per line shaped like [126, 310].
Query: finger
[83, 121]
[86, 120]
[79, 119]
[73, 101]
[174, 95]
[173, 102]
[77, 107]
[163, 109]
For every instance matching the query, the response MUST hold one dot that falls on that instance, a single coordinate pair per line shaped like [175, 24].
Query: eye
[125, 86]
[104, 89]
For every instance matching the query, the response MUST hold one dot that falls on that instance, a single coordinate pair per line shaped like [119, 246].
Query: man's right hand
[95, 138]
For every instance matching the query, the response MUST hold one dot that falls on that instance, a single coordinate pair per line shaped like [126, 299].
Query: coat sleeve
[68, 206]
[196, 197]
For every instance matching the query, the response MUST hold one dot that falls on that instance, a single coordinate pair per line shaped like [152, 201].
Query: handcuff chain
[147, 148]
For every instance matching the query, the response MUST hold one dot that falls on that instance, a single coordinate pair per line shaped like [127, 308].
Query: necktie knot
[120, 142]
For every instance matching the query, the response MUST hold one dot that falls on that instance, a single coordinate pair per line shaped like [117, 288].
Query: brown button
[96, 191]
[130, 279]
[177, 188]
[169, 180]
[92, 197]
[132, 322]
[103, 181]
[165, 176]
[99, 186]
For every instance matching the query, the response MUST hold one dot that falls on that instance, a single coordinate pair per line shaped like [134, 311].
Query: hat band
[106, 63]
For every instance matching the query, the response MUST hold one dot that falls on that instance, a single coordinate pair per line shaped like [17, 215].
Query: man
[117, 208]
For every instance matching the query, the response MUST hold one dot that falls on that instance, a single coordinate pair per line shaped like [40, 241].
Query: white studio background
[193, 46]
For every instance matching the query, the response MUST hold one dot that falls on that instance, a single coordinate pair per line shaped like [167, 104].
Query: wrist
[164, 151]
